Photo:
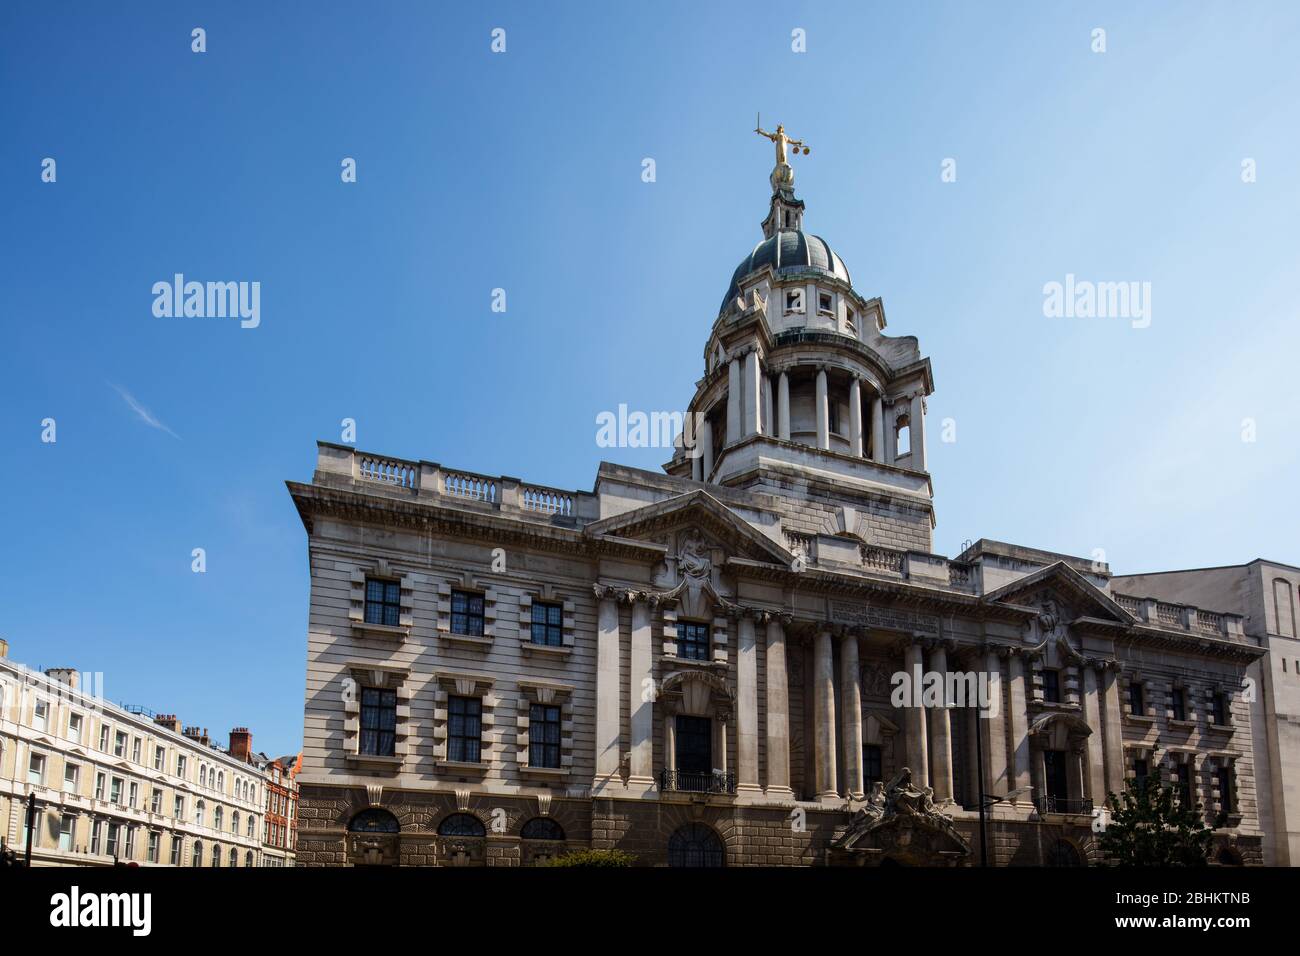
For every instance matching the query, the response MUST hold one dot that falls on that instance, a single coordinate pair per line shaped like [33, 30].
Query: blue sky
[522, 171]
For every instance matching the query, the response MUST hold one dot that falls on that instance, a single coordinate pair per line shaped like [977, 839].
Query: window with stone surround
[1137, 705]
[1219, 708]
[461, 825]
[382, 600]
[377, 711]
[872, 770]
[467, 613]
[463, 719]
[1051, 686]
[1177, 704]
[793, 301]
[546, 622]
[1225, 794]
[693, 640]
[544, 728]
[378, 721]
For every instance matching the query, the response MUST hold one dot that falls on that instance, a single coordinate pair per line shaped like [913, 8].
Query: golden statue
[781, 140]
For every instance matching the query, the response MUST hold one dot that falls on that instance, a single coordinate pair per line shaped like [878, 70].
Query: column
[733, 402]
[670, 740]
[851, 711]
[641, 703]
[697, 465]
[914, 719]
[746, 705]
[994, 729]
[941, 723]
[824, 715]
[916, 423]
[972, 722]
[783, 407]
[778, 711]
[751, 406]
[1018, 759]
[891, 437]
[1096, 751]
[706, 449]
[720, 743]
[1113, 739]
[877, 428]
[823, 412]
[769, 423]
[607, 688]
[855, 417]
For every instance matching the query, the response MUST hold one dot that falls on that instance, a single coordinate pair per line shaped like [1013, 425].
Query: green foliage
[1149, 826]
[594, 858]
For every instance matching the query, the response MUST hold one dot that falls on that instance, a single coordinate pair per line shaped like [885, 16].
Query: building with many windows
[280, 823]
[114, 784]
[707, 666]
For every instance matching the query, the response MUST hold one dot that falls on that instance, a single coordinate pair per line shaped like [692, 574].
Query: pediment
[663, 521]
[1075, 597]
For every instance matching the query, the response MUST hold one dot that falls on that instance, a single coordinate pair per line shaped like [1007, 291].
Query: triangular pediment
[1085, 599]
[698, 509]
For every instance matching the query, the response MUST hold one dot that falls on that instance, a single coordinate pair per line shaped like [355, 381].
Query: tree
[1151, 826]
[590, 858]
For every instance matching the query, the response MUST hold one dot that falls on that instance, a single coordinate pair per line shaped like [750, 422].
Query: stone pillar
[972, 721]
[751, 406]
[855, 417]
[1018, 759]
[697, 465]
[851, 713]
[916, 423]
[877, 428]
[783, 407]
[720, 743]
[607, 690]
[914, 721]
[778, 712]
[640, 703]
[941, 723]
[994, 729]
[746, 706]
[1096, 752]
[733, 402]
[824, 715]
[769, 423]
[823, 412]
[1113, 739]
[891, 438]
[706, 450]
[670, 740]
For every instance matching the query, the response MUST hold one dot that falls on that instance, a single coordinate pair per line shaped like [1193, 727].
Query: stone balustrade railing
[424, 479]
[1183, 617]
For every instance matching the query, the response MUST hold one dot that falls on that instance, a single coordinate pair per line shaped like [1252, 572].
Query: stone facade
[701, 666]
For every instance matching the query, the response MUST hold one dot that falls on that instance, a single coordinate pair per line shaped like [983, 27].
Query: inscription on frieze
[892, 619]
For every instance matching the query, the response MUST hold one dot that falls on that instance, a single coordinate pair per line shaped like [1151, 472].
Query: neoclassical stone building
[697, 666]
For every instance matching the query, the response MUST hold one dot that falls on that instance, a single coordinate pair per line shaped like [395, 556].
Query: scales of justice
[782, 174]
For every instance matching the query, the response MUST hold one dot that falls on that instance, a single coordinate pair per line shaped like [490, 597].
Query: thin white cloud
[143, 413]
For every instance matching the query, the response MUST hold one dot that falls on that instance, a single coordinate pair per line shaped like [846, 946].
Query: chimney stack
[241, 744]
[4, 648]
[198, 736]
[66, 676]
[170, 721]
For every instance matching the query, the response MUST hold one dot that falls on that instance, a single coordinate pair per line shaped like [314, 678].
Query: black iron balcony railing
[697, 781]
[1050, 804]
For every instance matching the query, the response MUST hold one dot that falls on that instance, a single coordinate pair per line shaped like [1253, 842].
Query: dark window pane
[693, 640]
[383, 602]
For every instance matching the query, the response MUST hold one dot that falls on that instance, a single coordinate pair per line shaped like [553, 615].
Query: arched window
[253, 793]
[251, 821]
[1063, 853]
[461, 825]
[203, 776]
[217, 818]
[197, 858]
[374, 820]
[234, 857]
[234, 822]
[216, 855]
[695, 845]
[248, 858]
[542, 828]
[199, 810]
[221, 782]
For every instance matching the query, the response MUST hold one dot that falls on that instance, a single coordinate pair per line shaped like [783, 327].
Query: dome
[788, 250]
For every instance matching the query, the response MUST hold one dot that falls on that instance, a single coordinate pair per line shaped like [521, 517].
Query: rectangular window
[36, 770]
[134, 794]
[178, 808]
[548, 624]
[40, 715]
[180, 765]
[825, 303]
[1183, 778]
[96, 833]
[1226, 801]
[74, 728]
[155, 802]
[1219, 709]
[692, 641]
[119, 745]
[135, 750]
[99, 786]
[175, 858]
[71, 776]
[1136, 703]
[1140, 772]
[1178, 704]
[467, 613]
[159, 757]
[130, 842]
[872, 772]
[543, 735]
[103, 739]
[378, 721]
[794, 300]
[383, 602]
[115, 791]
[66, 825]
[114, 832]
[465, 729]
[153, 846]
[1052, 686]
[694, 752]
[833, 416]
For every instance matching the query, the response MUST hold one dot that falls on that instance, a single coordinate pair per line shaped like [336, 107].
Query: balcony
[697, 781]
[1050, 804]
